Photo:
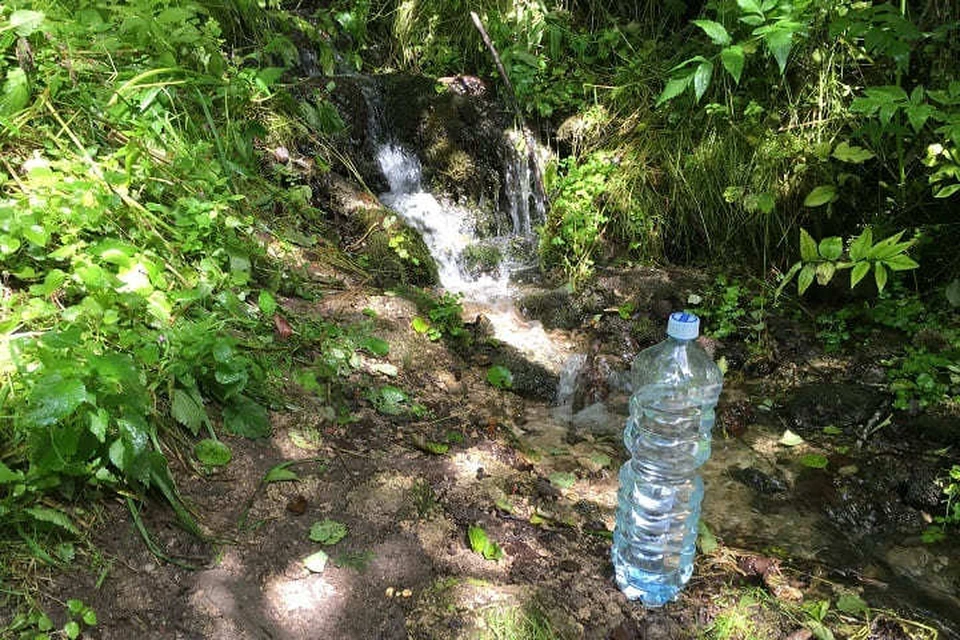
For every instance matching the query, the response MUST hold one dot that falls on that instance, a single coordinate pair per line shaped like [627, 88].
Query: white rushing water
[448, 229]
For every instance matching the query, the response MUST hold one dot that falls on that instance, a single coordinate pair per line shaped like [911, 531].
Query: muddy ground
[541, 487]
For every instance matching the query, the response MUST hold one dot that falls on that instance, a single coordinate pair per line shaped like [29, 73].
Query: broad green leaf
[500, 377]
[376, 346]
[420, 325]
[328, 532]
[72, 630]
[701, 79]
[188, 410]
[947, 191]
[918, 115]
[267, 303]
[780, 42]
[212, 452]
[901, 262]
[880, 275]
[482, 544]
[280, 473]
[819, 630]
[26, 22]
[790, 439]
[766, 203]
[715, 31]
[852, 604]
[831, 248]
[805, 279]
[814, 461]
[832, 430]
[749, 6]
[820, 196]
[808, 247]
[706, 540]
[860, 270]
[825, 271]
[316, 562]
[846, 152]
[388, 400]
[436, 448]
[7, 475]
[861, 245]
[675, 86]
[53, 516]
[732, 58]
[244, 417]
[952, 292]
[16, 92]
[888, 247]
[54, 398]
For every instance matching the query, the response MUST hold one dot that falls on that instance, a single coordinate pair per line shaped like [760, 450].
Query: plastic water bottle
[675, 388]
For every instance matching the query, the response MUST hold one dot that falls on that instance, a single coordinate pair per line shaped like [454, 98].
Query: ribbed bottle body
[676, 387]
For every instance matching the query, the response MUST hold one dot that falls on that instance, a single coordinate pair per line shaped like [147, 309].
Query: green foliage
[481, 543]
[36, 625]
[328, 532]
[500, 377]
[732, 307]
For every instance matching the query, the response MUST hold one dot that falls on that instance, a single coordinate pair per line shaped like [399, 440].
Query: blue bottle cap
[683, 326]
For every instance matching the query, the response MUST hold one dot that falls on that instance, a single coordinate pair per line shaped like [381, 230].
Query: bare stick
[531, 149]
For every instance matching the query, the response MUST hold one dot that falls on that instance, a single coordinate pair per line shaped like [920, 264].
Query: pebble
[389, 592]
[149, 567]
[406, 593]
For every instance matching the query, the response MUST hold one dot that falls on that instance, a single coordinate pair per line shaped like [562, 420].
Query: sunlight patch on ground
[305, 594]
[528, 337]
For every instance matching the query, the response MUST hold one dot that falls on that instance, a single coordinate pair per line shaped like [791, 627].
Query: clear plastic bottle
[676, 386]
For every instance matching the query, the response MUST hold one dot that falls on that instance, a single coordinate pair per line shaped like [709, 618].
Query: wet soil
[541, 481]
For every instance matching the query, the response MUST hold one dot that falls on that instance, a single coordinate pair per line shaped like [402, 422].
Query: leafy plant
[328, 532]
[500, 377]
[481, 543]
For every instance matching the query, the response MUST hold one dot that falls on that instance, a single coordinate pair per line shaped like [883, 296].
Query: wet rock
[554, 309]
[761, 482]
[928, 570]
[844, 405]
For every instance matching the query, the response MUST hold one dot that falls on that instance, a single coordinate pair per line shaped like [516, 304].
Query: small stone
[389, 592]
[406, 593]
[149, 567]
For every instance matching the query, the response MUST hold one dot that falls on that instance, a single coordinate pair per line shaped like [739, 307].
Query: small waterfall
[524, 201]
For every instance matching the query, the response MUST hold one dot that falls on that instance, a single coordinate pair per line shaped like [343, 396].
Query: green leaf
[814, 461]
[316, 562]
[706, 540]
[244, 417]
[420, 325]
[701, 79]
[860, 247]
[482, 544]
[26, 22]
[280, 473]
[831, 248]
[376, 346]
[831, 430]
[74, 606]
[808, 247]
[820, 196]
[846, 152]
[901, 262]
[790, 439]
[825, 271]
[952, 292]
[853, 604]
[186, 407]
[780, 42]
[54, 398]
[749, 6]
[72, 630]
[328, 532]
[820, 631]
[860, 270]
[675, 86]
[8, 476]
[715, 31]
[53, 516]
[90, 617]
[733, 58]
[805, 279]
[388, 400]
[212, 452]
[947, 191]
[563, 480]
[500, 377]
[267, 303]
[880, 275]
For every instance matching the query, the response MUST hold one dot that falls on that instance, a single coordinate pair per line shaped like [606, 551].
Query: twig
[531, 149]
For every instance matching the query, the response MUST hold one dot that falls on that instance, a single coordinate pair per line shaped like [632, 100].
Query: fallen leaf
[282, 327]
